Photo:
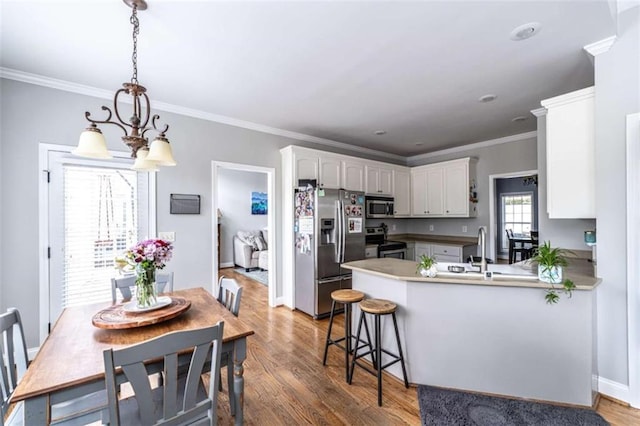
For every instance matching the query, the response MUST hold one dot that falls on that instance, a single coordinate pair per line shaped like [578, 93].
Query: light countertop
[579, 271]
[434, 239]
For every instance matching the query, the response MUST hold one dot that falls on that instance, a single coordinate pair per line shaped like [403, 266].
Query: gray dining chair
[229, 295]
[164, 284]
[14, 361]
[182, 399]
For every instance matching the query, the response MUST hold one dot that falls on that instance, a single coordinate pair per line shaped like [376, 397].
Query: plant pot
[431, 272]
[551, 275]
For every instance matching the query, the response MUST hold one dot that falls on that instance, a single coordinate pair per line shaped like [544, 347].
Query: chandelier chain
[136, 30]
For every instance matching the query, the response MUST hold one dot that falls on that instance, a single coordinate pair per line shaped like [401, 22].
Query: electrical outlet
[464, 228]
[167, 236]
[431, 228]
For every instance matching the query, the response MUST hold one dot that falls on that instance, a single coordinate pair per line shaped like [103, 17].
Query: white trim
[602, 46]
[226, 265]
[81, 89]
[507, 139]
[271, 219]
[493, 218]
[567, 98]
[633, 254]
[613, 389]
[43, 224]
[540, 112]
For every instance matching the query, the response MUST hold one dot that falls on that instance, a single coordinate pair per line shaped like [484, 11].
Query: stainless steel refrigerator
[329, 230]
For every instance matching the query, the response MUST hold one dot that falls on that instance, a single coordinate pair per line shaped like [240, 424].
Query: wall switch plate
[167, 236]
[431, 227]
[464, 228]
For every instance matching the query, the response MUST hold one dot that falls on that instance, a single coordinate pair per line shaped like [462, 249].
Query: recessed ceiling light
[525, 31]
[380, 132]
[518, 118]
[487, 98]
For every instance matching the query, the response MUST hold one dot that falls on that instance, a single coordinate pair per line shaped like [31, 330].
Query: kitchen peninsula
[495, 336]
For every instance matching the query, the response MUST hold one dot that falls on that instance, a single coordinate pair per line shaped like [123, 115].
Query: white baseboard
[226, 265]
[31, 352]
[279, 301]
[613, 389]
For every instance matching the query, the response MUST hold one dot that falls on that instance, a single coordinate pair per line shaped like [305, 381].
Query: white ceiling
[334, 70]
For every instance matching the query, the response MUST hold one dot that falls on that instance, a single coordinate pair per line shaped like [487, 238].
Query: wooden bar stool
[347, 297]
[378, 308]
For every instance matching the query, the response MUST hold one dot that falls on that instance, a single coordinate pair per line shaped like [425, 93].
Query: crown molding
[81, 89]
[567, 98]
[602, 46]
[540, 112]
[507, 139]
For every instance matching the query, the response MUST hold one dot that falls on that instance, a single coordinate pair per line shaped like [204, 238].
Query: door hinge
[48, 252]
[49, 328]
[48, 173]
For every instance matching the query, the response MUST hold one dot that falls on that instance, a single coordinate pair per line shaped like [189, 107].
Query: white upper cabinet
[353, 175]
[379, 180]
[305, 166]
[442, 189]
[571, 155]
[401, 192]
[330, 175]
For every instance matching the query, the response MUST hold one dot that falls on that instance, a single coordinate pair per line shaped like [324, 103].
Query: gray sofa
[250, 250]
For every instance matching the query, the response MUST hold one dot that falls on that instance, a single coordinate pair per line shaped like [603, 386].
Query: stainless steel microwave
[379, 207]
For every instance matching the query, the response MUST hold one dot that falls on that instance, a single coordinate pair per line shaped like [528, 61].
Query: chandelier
[147, 156]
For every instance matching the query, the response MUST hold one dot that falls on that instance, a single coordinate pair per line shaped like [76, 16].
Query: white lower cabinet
[411, 251]
[446, 253]
[420, 249]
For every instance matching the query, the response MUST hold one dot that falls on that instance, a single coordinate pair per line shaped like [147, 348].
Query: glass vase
[146, 287]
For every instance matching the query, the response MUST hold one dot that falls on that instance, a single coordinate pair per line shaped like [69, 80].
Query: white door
[456, 191]
[402, 193]
[97, 209]
[435, 188]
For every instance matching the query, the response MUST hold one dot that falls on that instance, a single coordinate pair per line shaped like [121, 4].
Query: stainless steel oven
[398, 253]
[385, 248]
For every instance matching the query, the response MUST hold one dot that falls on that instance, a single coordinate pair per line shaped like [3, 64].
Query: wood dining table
[70, 362]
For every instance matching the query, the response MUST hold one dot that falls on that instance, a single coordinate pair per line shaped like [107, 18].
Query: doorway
[509, 194]
[235, 213]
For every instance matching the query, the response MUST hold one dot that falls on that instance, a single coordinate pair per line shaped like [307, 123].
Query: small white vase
[550, 275]
[432, 272]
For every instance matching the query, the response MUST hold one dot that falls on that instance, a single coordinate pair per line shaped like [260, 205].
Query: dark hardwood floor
[286, 383]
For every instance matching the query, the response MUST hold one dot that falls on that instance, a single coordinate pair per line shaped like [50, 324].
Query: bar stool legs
[378, 308]
[347, 298]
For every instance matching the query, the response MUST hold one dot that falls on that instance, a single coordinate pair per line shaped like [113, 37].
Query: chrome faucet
[482, 236]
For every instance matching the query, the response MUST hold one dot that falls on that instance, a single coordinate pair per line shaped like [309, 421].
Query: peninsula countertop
[406, 270]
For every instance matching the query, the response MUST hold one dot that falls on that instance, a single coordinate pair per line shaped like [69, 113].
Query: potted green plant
[551, 261]
[427, 266]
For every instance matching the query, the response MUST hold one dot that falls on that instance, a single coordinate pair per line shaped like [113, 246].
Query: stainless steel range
[386, 248]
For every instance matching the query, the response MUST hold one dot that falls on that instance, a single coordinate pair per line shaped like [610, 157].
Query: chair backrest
[229, 294]
[13, 356]
[534, 237]
[509, 233]
[123, 284]
[164, 284]
[183, 401]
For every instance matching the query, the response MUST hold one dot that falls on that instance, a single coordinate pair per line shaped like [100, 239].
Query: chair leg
[347, 341]
[355, 352]
[378, 357]
[326, 344]
[404, 370]
[232, 393]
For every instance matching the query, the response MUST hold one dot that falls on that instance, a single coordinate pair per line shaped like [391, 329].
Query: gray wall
[33, 114]
[503, 158]
[617, 93]
[234, 200]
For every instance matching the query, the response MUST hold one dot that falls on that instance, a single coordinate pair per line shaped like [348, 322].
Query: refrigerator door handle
[344, 231]
[338, 244]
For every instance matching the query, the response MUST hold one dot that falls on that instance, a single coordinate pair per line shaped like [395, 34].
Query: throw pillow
[248, 238]
[261, 243]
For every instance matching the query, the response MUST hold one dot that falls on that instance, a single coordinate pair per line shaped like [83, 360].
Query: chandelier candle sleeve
[92, 143]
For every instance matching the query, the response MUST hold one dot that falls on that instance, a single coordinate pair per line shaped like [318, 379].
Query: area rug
[255, 274]
[441, 407]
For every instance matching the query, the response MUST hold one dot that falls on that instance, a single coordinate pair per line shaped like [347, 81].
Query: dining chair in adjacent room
[164, 282]
[229, 295]
[182, 399]
[14, 361]
[513, 249]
